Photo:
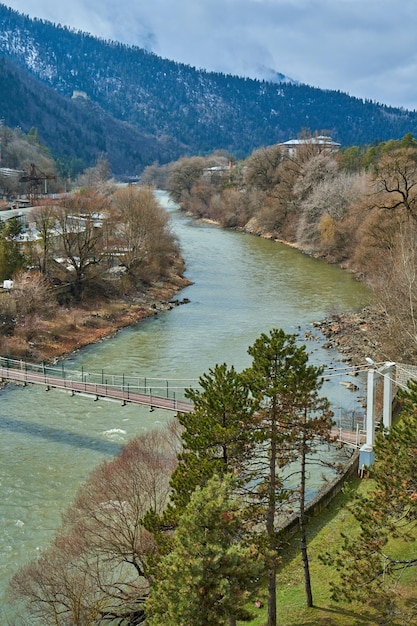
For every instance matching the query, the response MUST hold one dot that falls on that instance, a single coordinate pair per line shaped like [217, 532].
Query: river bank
[48, 338]
[355, 335]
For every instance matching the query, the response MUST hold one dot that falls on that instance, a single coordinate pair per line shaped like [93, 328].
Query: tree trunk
[303, 534]
[77, 285]
[272, 595]
[270, 523]
[304, 555]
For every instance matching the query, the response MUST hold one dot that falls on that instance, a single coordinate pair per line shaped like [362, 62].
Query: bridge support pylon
[367, 455]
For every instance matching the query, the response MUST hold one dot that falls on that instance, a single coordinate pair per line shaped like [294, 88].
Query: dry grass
[45, 338]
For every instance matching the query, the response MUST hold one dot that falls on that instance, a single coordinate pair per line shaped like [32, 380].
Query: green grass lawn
[324, 536]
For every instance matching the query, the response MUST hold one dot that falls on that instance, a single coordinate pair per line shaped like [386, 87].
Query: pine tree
[210, 574]
[370, 564]
[286, 389]
[253, 424]
[306, 428]
[218, 437]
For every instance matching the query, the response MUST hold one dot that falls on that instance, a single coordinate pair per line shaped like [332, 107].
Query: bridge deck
[351, 438]
[110, 392]
[124, 393]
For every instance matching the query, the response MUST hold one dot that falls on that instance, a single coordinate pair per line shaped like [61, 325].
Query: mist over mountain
[138, 108]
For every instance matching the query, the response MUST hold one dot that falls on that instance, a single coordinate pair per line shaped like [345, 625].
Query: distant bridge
[152, 392]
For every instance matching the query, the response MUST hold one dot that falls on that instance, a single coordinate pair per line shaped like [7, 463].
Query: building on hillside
[323, 143]
[8, 172]
[216, 172]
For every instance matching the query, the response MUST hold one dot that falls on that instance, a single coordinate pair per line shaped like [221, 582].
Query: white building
[321, 141]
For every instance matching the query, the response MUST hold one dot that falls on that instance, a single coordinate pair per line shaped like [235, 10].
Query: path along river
[242, 286]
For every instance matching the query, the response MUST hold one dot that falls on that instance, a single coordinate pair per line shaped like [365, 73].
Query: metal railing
[155, 392]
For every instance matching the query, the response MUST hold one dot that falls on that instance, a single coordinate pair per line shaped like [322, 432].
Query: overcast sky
[367, 48]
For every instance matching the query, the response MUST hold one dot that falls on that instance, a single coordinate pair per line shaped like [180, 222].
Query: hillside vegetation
[138, 108]
[77, 131]
[356, 207]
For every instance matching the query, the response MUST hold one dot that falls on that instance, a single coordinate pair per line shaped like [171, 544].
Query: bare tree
[330, 200]
[80, 221]
[395, 287]
[232, 209]
[96, 570]
[95, 177]
[319, 168]
[262, 167]
[155, 175]
[44, 217]
[32, 293]
[395, 182]
[183, 175]
[142, 241]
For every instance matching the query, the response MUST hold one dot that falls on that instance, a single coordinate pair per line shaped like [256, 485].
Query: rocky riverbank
[355, 335]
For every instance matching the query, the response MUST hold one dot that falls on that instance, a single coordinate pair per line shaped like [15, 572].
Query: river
[242, 286]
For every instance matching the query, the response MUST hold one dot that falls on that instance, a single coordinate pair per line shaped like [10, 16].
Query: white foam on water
[115, 434]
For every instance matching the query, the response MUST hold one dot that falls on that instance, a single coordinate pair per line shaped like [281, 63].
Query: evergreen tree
[12, 258]
[286, 389]
[218, 437]
[305, 428]
[211, 573]
[371, 564]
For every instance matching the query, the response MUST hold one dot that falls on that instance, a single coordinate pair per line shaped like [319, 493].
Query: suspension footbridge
[155, 393]
[151, 392]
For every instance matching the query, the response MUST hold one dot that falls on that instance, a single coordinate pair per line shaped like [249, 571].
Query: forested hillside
[75, 130]
[184, 110]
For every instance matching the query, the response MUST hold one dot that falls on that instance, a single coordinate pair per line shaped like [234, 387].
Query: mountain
[74, 129]
[139, 108]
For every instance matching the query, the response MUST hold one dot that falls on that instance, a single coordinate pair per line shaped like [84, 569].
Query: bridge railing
[166, 388]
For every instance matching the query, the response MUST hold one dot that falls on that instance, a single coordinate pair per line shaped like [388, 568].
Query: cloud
[366, 48]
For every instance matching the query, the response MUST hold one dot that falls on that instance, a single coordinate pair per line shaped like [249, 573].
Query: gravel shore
[354, 335]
